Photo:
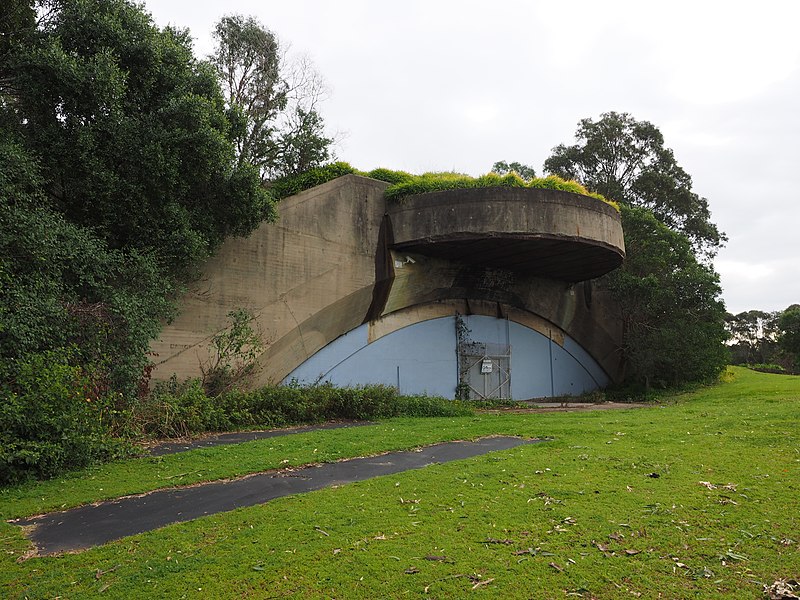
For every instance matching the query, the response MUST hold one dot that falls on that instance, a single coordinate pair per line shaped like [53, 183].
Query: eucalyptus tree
[626, 160]
[273, 100]
[667, 291]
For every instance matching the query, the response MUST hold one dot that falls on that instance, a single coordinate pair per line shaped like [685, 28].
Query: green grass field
[578, 516]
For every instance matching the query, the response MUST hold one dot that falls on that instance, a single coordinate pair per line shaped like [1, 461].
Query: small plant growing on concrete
[235, 350]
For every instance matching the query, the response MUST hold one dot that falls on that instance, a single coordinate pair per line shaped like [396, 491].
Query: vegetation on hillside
[122, 171]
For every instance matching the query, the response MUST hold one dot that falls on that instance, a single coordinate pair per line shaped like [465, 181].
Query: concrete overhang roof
[546, 233]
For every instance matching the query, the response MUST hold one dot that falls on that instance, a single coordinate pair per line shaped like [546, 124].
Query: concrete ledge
[546, 233]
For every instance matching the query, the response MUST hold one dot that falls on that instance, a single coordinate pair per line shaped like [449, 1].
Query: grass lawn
[583, 515]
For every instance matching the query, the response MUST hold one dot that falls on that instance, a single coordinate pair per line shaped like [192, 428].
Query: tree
[274, 100]
[669, 305]
[754, 336]
[626, 160]
[789, 326]
[131, 134]
[501, 167]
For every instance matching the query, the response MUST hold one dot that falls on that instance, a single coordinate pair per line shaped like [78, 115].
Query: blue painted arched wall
[421, 358]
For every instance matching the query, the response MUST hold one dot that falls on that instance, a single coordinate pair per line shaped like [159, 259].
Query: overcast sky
[427, 85]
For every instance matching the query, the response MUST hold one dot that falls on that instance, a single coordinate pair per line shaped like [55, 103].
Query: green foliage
[669, 303]
[789, 338]
[279, 130]
[767, 368]
[625, 160]
[753, 334]
[235, 352]
[389, 176]
[502, 167]
[131, 134]
[436, 182]
[175, 409]
[62, 287]
[294, 184]
[54, 416]
[119, 175]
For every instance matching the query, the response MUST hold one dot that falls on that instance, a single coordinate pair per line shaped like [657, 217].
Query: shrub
[389, 176]
[51, 418]
[294, 184]
[235, 352]
[178, 409]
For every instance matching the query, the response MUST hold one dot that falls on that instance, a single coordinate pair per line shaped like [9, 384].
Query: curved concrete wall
[331, 264]
[547, 233]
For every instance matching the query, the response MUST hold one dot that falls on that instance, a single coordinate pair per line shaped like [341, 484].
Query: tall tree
[753, 334]
[131, 133]
[274, 99]
[668, 294]
[626, 160]
[669, 304]
[789, 337]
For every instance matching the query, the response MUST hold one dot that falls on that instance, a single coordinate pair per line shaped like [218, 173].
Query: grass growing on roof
[405, 184]
[581, 515]
[436, 182]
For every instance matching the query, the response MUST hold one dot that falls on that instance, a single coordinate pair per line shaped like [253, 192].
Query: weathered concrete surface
[308, 278]
[339, 257]
[97, 524]
[438, 288]
[546, 233]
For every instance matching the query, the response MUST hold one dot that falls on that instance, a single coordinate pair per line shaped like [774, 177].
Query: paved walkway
[243, 436]
[96, 524]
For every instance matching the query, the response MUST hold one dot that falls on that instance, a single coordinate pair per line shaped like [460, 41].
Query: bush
[176, 409]
[389, 176]
[52, 419]
[294, 184]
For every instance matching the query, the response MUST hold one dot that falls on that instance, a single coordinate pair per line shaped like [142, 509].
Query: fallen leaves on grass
[98, 573]
[483, 582]
[492, 540]
[783, 589]
[434, 558]
[476, 580]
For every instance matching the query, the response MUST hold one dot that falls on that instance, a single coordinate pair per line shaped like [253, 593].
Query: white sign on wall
[486, 365]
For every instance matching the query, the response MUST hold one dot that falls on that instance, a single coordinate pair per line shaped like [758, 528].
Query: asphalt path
[96, 524]
[243, 436]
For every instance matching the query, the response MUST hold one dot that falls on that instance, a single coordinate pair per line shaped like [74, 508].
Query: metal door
[488, 370]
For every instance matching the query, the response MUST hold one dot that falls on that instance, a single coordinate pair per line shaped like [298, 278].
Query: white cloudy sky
[457, 85]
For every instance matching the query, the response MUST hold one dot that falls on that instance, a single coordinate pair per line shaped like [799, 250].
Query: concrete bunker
[478, 293]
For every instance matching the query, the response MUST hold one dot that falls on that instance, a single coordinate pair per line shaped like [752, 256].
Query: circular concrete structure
[539, 232]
